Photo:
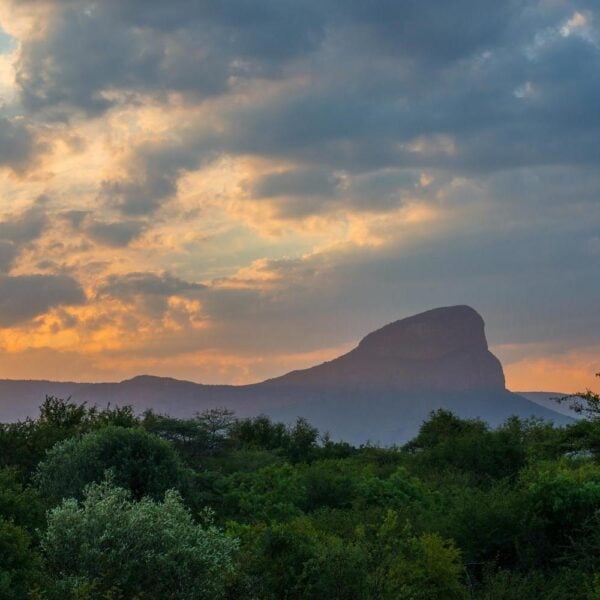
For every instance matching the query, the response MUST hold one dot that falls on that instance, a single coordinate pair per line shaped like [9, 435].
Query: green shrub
[147, 549]
[141, 462]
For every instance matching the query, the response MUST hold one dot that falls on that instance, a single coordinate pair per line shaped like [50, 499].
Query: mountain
[440, 350]
[548, 400]
[381, 391]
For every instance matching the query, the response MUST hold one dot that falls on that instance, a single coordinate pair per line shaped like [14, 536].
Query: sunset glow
[224, 204]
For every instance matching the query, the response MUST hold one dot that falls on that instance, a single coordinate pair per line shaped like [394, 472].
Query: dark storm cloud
[301, 192]
[530, 100]
[24, 297]
[469, 86]
[154, 171]
[114, 233]
[505, 110]
[202, 47]
[313, 182]
[26, 226]
[333, 298]
[297, 193]
[17, 230]
[17, 144]
[147, 284]
[94, 47]
[144, 194]
[8, 254]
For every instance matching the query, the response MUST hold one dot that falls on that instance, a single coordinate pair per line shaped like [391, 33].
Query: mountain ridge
[381, 390]
[438, 350]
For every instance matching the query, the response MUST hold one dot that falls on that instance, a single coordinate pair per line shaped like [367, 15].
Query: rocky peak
[444, 349]
[428, 335]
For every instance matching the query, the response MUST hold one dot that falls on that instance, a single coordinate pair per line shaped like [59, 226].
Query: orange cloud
[568, 373]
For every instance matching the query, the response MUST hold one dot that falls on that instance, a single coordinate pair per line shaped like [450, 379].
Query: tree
[18, 564]
[446, 443]
[23, 444]
[205, 435]
[18, 503]
[217, 422]
[109, 544]
[260, 433]
[585, 403]
[303, 441]
[141, 462]
[561, 499]
[298, 442]
[295, 561]
[336, 571]
[419, 567]
[273, 493]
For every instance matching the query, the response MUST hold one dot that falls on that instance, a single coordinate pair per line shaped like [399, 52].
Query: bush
[138, 461]
[109, 544]
[18, 564]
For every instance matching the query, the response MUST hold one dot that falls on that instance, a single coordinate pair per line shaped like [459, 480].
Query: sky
[225, 190]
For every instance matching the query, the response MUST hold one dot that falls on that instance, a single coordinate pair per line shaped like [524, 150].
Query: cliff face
[444, 349]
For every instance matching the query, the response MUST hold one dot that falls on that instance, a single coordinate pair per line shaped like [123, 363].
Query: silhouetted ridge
[381, 391]
[428, 335]
[441, 349]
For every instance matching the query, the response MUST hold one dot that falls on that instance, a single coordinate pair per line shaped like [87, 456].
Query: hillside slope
[380, 391]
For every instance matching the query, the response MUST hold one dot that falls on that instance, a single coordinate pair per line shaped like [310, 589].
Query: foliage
[146, 549]
[295, 560]
[271, 493]
[462, 510]
[446, 442]
[563, 584]
[19, 503]
[139, 461]
[18, 564]
[204, 435]
[585, 403]
[297, 443]
[24, 444]
[416, 567]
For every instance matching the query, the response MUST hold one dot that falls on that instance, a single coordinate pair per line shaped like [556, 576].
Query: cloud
[302, 182]
[296, 192]
[470, 121]
[159, 307]
[147, 284]
[111, 233]
[368, 98]
[17, 230]
[114, 233]
[8, 254]
[17, 144]
[89, 51]
[563, 372]
[24, 297]
[406, 86]
[326, 166]
[75, 217]
[154, 169]
[299, 193]
[26, 226]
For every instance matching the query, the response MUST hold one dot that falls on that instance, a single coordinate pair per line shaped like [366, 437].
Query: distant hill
[548, 400]
[380, 391]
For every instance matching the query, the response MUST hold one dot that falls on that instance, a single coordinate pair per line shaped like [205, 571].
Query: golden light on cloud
[8, 90]
[279, 171]
[566, 373]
